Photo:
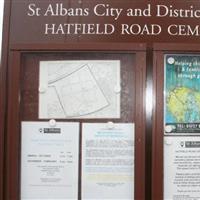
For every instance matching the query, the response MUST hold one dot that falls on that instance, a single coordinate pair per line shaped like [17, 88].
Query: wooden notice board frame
[24, 34]
[12, 142]
[158, 112]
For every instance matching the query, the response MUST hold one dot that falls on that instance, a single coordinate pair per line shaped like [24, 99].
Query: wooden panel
[157, 137]
[3, 91]
[140, 138]
[12, 148]
[34, 27]
[98, 47]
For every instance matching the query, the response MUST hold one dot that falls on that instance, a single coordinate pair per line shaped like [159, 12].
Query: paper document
[108, 161]
[182, 168]
[79, 89]
[49, 161]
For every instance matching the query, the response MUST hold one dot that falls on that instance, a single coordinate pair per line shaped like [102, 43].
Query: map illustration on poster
[79, 89]
[182, 94]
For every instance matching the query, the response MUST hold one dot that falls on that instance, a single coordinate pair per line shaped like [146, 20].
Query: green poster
[182, 93]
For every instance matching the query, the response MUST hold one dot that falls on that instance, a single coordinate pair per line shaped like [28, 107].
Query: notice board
[122, 47]
[176, 128]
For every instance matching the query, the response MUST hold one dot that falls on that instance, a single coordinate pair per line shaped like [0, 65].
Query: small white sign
[182, 168]
[49, 161]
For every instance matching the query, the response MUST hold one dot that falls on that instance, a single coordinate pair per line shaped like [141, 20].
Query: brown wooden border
[3, 85]
[158, 111]
[12, 146]
[157, 133]
[81, 47]
[12, 143]
[140, 126]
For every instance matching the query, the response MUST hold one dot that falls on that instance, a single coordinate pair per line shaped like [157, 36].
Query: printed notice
[182, 94]
[79, 89]
[108, 161]
[182, 168]
[49, 161]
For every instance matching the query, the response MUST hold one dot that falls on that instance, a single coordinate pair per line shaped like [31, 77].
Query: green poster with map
[182, 94]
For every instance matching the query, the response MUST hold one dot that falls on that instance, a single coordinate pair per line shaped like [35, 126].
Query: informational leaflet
[182, 168]
[49, 161]
[182, 94]
[79, 89]
[108, 161]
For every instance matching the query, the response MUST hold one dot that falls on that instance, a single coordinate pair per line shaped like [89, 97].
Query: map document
[79, 89]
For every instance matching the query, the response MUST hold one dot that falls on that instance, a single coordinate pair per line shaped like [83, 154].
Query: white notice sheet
[182, 168]
[79, 89]
[108, 161]
[49, 161]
